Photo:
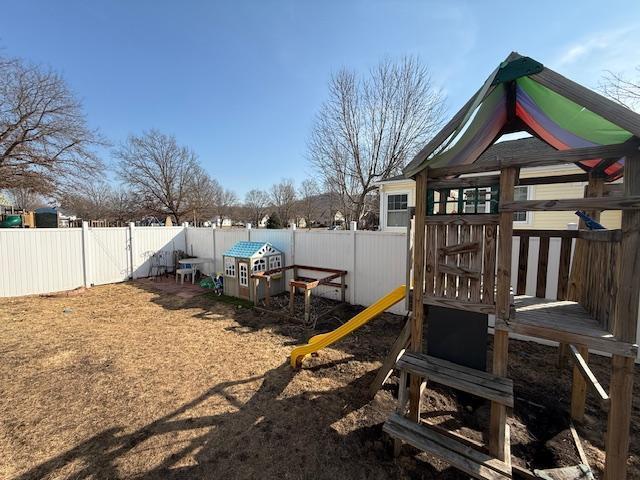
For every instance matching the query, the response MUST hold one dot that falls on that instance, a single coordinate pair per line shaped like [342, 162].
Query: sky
[241, 81]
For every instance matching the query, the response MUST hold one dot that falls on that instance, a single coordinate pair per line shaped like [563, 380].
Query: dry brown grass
[122, 382]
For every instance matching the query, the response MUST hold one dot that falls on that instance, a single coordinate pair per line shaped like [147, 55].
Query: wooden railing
[592, 279]
[566, 238]
[594, 275]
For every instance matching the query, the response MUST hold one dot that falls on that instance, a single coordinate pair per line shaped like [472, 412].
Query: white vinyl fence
[36, 261]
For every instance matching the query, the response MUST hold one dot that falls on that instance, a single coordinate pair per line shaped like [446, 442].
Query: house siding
[535, 220]
[560, 220]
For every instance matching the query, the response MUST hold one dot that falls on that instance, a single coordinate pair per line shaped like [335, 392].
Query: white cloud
[587, 58]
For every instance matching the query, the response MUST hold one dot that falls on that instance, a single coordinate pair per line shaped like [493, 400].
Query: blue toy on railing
[590, 223]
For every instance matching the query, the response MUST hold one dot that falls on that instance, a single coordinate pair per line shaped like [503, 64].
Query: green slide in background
[12, 221]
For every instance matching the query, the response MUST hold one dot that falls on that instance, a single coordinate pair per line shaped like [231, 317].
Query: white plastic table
[194, 262]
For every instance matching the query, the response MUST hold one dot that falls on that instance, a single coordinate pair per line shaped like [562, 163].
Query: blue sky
[240, 81]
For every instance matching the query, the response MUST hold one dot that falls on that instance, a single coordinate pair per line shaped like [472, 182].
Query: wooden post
[254, 287]
[624, 328]
[307, 306]
[292, 298]
[342, 289]
[579, 388]
[419, 308]
[503, 307]
[402, 405]
[595, 188]
[267, 291]
[563, 352]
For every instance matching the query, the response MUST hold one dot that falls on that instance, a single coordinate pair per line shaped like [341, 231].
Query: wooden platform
[562, 321]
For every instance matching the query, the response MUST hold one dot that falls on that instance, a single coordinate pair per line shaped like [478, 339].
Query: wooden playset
[463, 261]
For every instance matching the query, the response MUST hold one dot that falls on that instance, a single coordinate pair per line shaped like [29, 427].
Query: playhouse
[245, 259]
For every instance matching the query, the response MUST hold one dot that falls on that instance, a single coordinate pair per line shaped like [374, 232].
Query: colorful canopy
[543, 112]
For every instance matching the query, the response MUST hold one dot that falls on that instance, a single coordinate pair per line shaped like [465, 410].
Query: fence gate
[108, 253]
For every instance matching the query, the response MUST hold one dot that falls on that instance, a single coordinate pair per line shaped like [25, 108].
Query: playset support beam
[418, 308]
[624, 328]
[594, 189]
[572, 155]
[498, 421]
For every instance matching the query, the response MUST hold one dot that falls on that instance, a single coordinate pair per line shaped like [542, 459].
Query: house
[245, 258]
[397, 194]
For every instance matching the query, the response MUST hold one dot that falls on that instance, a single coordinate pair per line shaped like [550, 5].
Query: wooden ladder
[458, 452]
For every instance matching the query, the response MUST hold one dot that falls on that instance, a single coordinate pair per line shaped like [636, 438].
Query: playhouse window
[275, 262]
[477, 200]
[260, 265]
[230, 267]
[521, 193]
[397, 215]
[243, 276]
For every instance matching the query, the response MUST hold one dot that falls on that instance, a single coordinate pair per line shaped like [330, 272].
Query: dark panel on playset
[458, 336]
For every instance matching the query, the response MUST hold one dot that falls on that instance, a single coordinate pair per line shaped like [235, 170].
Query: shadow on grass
[259, 439]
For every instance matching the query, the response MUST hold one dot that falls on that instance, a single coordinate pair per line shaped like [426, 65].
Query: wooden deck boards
[564, 321]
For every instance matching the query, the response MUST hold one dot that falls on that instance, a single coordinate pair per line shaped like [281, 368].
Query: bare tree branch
[44, 137]
[159, 172]
[625, 91]
[257, 203]
[370, 127]
[283, 197]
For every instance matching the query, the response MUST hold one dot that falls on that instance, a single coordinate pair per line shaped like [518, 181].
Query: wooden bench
[459, 455]
[475, 382]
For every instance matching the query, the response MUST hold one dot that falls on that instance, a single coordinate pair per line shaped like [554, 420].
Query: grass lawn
[124, 382]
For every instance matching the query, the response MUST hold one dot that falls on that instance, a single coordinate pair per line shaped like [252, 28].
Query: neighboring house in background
[226, 222]
[397, 194]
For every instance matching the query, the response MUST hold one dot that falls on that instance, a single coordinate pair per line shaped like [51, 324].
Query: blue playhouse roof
[245, 249]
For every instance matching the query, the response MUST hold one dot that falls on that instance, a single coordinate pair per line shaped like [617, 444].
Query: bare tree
[123, 206]
[88, 200]
[202, 195]
[25, 198]
[44, 137]
[158, 171]
[283, 198]
[257, 204]
[624, 90]
[225, 201]
[309, 205]
[369, 127]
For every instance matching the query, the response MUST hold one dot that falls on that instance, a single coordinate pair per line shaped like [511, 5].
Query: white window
[397, 214]
[243, 276]
[275, 261]
[521, 193]
[230, 266]
[260, 265]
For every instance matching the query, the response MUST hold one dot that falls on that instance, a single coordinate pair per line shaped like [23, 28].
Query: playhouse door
[243, 280]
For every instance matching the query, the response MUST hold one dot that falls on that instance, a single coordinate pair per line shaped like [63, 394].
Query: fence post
[185, 227]
[86, 254]
[352, 287]
[248, 232]
[213, 236]
[132, 249]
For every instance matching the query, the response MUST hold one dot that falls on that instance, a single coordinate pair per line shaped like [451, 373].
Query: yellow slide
[323, 340]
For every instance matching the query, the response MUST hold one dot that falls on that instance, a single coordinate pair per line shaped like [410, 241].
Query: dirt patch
[124, 382]
[323, 312]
